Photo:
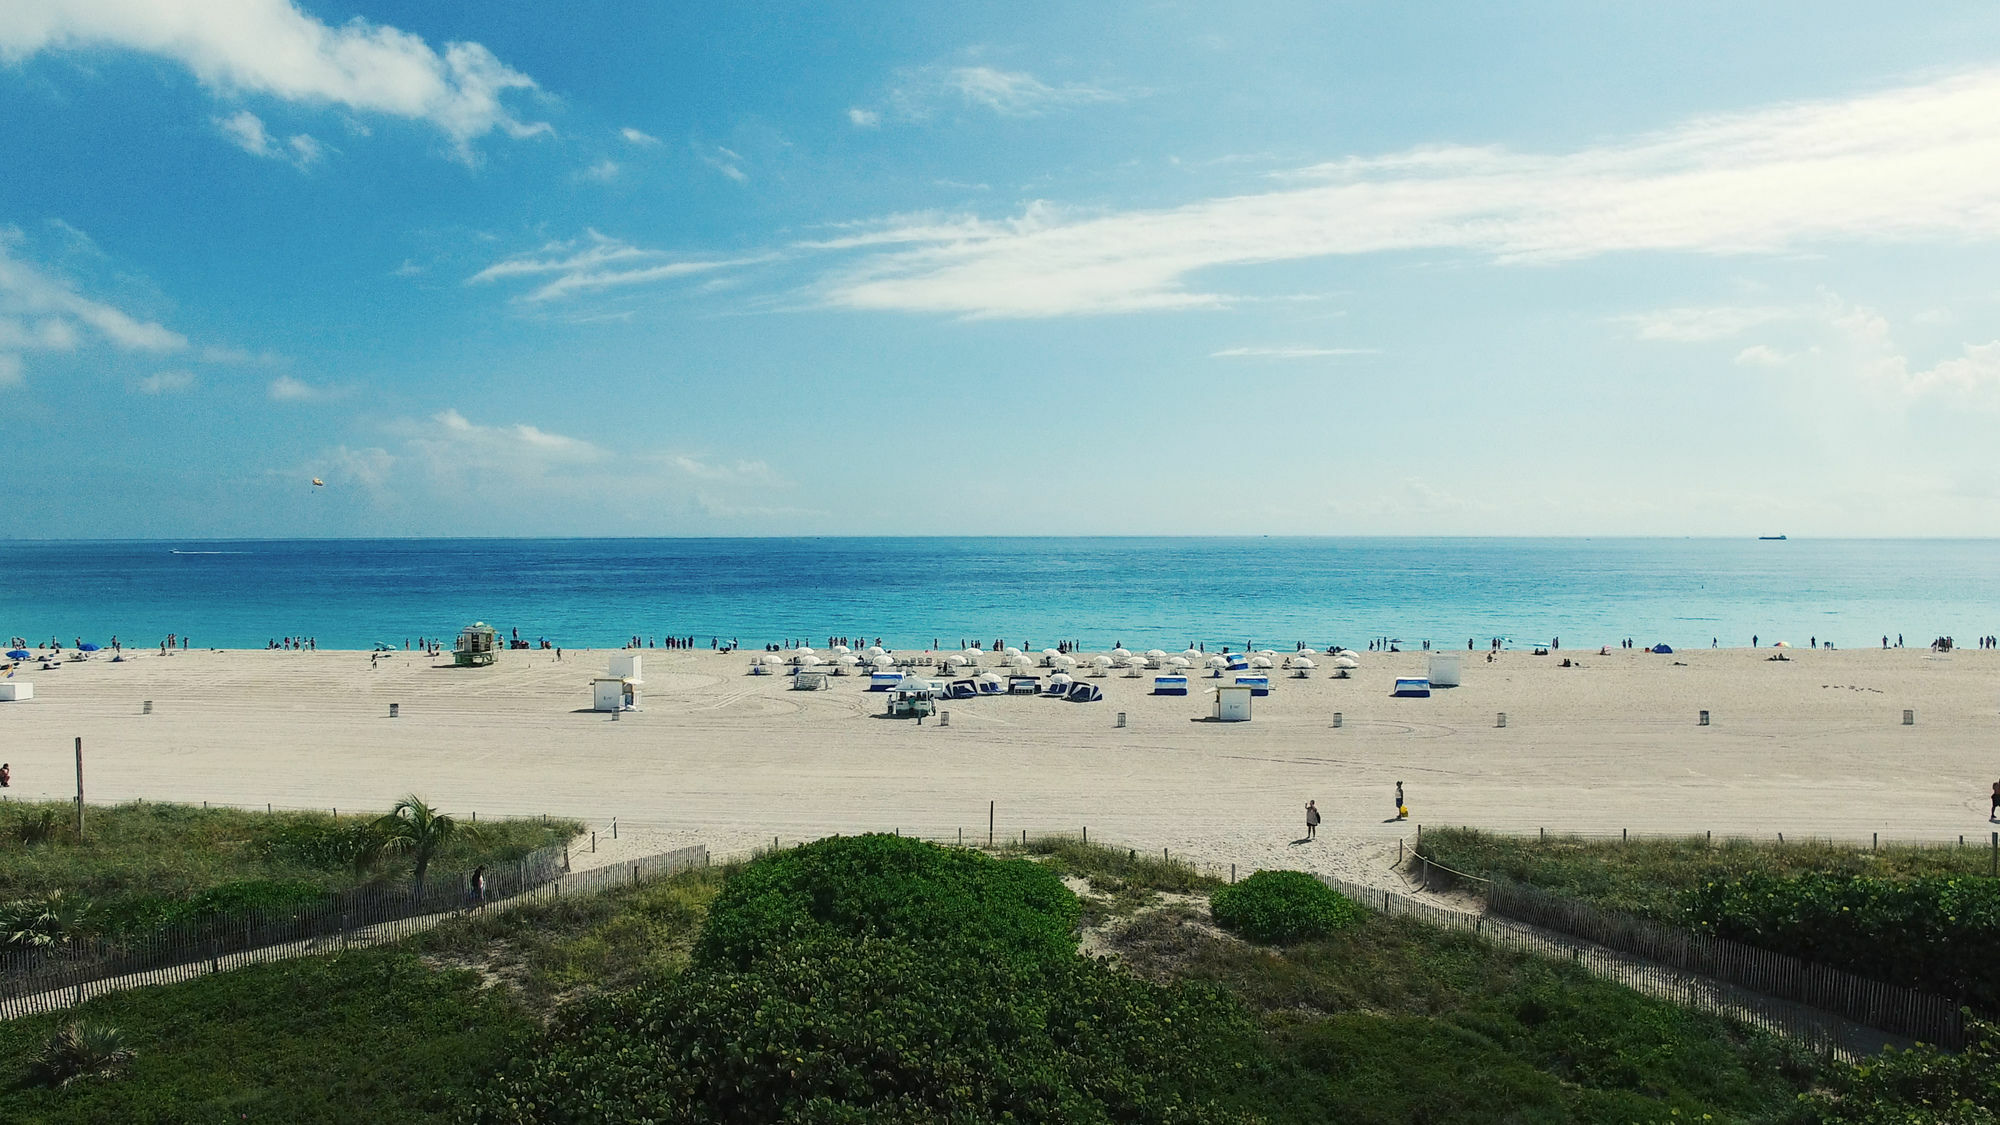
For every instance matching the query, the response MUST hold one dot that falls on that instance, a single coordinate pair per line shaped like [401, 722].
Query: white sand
[1814, 746]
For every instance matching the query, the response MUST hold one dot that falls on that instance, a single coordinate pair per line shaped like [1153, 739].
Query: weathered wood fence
[38, 980]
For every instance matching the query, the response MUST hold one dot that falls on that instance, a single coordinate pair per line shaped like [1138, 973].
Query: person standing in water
[1312, 819]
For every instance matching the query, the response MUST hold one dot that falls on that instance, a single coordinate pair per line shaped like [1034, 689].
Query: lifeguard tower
[478, 645]
[618, 689]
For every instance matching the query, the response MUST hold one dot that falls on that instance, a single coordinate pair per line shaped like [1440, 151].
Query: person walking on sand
[7, 779]
[1312, 819]
[1994, 815]
[475, 889]
[1402, 812]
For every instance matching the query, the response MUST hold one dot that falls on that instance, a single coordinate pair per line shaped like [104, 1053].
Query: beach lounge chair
[1085, 693]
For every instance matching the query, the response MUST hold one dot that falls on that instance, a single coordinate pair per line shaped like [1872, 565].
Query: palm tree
[415, 829]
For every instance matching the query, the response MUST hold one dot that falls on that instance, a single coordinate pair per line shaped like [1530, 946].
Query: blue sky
[726, 269]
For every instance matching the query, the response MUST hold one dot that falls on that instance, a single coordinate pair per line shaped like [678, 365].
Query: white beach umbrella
[991, 678]
[1019, 661]
[875, 650]
[847, 660]
[1218, 663]
[972, 655]
[1349, 654]
[810, 661]
[1193, 655]
[1061, 679]
[1179, 662]
[841, 650]
[1156, 654]
[1121, 653]
[802, 650]
[1267, 652]
[884, 661]
[1346, 662]
[1260, 662]
[1010, 650]
[1061, 661]
[1102, 661]
[1303, 662]
[1051, 653]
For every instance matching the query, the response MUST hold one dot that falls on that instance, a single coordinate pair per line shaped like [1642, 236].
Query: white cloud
[10, 370]
[164, 383]
[1916, 163]
[863, 118]
[918, 92]
[1761, 355]
[725, 161]
[604, 171]
[270, 47]
[599, 262]
[1703, 324]
[40, 311]
[733, 472]
[285, 388]
[246, 131]
[634, 136]
[1290, 353]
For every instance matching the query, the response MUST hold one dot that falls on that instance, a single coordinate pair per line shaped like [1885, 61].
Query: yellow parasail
[318, 483]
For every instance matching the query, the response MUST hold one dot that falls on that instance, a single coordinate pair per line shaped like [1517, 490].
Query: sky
[1542, 268]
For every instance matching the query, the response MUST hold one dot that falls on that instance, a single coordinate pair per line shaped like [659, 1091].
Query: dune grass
[144, 864]
[1651, 877]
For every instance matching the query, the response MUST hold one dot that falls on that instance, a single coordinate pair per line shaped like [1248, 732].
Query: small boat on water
[1771, 538]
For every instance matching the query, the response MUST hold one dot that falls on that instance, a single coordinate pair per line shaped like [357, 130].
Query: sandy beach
[1810, 746]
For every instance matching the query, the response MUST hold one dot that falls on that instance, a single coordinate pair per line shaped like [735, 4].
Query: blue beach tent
[1412, 687]
[1169, 685]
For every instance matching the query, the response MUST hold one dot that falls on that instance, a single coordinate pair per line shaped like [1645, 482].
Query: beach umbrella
[1064, 662]
[874, 650]
[1218, 663]
[841, 650]
[956, 660]
[1179, 662]
[1781, 644]
[1121, 653]
[884, 661]
[86, 647]
[1349, 654]
[1102, 661]
[802, 651]
[1303, 662]
[1260, 662]
[972, 655]
[809, 661]
[1019, 661]
[1010, 650]
[1061, 679]
[847, 660]
[1346, 662]
[1193, 655]
[19, 654]
[1156, 654]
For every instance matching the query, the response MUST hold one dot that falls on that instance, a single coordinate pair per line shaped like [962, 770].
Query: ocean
[1142, 592]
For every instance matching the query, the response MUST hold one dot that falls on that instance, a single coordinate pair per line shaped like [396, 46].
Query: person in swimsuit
[1312, 818]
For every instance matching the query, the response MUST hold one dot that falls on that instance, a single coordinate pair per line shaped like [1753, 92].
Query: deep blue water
[1146, 593]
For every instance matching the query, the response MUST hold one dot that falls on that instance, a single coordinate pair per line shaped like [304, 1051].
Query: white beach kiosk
[618, 689]
[1232, 703]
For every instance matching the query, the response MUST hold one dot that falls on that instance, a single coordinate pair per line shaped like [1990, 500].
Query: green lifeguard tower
[478, 645]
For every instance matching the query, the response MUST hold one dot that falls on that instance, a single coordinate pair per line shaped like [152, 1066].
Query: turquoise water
[1146, 593]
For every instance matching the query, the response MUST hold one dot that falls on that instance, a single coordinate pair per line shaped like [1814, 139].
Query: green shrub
[44, 921]
[878, 979]
[81, 1050]
[1936, 934]
[890, 887]
[876, 1030]
[1282, 906]
[1920, 1086]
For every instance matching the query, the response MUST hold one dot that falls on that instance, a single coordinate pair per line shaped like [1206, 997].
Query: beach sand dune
[1810, 746]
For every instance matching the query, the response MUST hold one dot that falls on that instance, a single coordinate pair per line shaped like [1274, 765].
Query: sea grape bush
[1277, 907]
[876, 979]
[890, 887]
[1935, 934]
[1920, 1086]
